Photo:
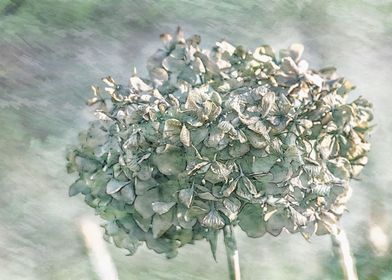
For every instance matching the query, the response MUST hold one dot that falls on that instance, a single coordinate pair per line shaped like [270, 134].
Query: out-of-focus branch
[342, 250]
[100, 258]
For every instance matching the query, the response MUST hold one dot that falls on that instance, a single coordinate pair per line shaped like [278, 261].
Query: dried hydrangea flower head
[220, 137]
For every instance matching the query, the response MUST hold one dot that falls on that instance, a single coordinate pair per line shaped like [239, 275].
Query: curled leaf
[185, 136]
[267, 103]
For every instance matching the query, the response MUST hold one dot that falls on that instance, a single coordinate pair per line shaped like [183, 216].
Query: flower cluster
[220, 137]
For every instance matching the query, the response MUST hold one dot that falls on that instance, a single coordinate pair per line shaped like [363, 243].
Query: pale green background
[50, 53]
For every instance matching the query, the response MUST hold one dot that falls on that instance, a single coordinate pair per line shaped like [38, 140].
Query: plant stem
[232, 253]
[101, 261]
[342, 249]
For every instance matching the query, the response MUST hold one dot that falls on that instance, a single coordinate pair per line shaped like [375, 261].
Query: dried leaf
[213, 220]
[227, 189]
[267, 103]
[185, 136]
[298, 218]
[249, 185]
[139, 84]
[296, 51]
[162, 207]
[185, 196]
[231, 208]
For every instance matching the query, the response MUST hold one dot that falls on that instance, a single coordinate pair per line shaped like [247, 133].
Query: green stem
[232, 253]
[342, 249]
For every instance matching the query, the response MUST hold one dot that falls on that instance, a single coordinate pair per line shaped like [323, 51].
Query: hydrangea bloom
[220, 137]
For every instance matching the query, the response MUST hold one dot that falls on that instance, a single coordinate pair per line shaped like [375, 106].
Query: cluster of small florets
[220, 137]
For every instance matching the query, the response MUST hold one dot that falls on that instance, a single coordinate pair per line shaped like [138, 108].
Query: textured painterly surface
[51, 51]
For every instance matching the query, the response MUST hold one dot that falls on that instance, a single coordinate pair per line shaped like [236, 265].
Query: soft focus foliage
[218, 137]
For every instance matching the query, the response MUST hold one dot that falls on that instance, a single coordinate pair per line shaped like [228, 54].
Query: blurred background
[52, 51]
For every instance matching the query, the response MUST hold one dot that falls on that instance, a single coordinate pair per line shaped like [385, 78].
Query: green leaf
[128, 194]
[159, 245]
[86, 165]
[276, 223]
[198, 135]
[143, 223]
[264, 164]
[143, 203]
[127, 242]
[251, 220]
[79, 186]
[114, 186]
[144, 172]
[198, 209]
[281, 173]
[161, 223]
[170, 161]
[212, 237]
[142, 186]
[111, 228]
[238, 149]
[184, 219]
